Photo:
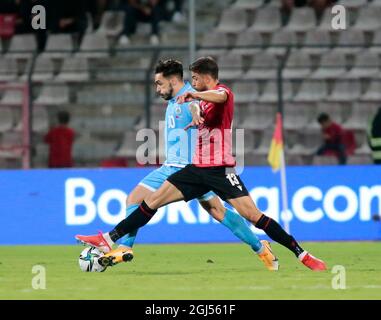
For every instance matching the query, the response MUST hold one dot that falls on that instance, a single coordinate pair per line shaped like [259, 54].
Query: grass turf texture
[202, 271]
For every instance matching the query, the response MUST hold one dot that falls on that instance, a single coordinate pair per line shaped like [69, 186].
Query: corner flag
[276, 148]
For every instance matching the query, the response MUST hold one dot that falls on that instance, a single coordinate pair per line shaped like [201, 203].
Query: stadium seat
[11, 145]
[74, 69]
[22, 46]
[92, 150]
[302, 20]
[248, 4]
[298, 65]
[317, 42]
[350, 41]
[12, 97]
[368, 19]
[360, 115]
[111, 95]
[326, 22]
[364, 149]
[375, 3]
[265, 142]
[6, 119]
[360, 159]
[311, 140]
[214, 39]
[130, 145]
[53, 95]
[262, 18]
[311, 91]
[324, 160]
[373, 93]
[263, 67]
[248, 39]
[376, 44]
[8, 69]
[353, 4]
[59, 46]
[249, 141]
[332, 66]
[111, 23]
[270, 92]
[294, 160]
[178, 38]
[345, 91]
[43, 69]
[280, 41]
[40, 120]
[230, 67]
[40, 158]
[299, 150]
[296, 116]
[233, 21]
[94, 45]
[245, 92]
[259, 117]
[366, 65]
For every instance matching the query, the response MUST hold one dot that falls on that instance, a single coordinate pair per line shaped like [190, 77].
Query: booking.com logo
[82, 205]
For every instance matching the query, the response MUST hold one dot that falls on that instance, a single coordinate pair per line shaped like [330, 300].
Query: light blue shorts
[156, 178]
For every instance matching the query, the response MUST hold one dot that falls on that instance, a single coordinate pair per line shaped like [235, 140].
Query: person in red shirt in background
[333, 138]
[60, 140]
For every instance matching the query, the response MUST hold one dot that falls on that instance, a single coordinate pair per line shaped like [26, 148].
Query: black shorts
[194, 182]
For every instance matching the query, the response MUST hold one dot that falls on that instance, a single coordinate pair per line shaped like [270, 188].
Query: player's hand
[186, 97]
[197, 120]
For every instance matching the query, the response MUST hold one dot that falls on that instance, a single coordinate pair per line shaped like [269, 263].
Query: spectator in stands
[96, 9]
[318, 5]
[287, 6]
[24, 21]
[152, 11]
[68, 16]
[9, 6]
[374, 137]
[177, 12]
[60, 140]
[333, 138]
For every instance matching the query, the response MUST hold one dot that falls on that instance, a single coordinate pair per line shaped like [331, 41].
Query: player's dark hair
[205, 65]
[170, 67]
[323, 117]
[63, 117]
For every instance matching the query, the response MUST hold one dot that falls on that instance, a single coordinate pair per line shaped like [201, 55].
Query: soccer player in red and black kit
[212, 168]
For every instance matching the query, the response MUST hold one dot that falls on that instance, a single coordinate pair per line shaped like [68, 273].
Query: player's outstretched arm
[213, 96]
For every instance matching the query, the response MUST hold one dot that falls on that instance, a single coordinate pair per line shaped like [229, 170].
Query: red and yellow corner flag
[276, 148]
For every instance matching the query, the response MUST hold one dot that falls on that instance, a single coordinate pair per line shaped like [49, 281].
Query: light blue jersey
[179, 144]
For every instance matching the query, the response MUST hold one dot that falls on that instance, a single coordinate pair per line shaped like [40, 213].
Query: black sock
[276, 232]
[135, 220]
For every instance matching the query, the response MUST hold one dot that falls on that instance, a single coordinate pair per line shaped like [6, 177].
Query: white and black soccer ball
[88, 260]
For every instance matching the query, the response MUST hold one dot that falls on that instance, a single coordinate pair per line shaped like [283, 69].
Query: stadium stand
[105, 85]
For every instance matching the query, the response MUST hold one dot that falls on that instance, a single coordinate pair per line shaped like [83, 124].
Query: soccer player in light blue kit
[169, 85]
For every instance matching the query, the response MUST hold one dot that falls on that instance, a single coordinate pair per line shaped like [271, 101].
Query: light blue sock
[129, 239]
[240, 229]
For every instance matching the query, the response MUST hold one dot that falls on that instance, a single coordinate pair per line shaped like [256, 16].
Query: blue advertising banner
[51, 206]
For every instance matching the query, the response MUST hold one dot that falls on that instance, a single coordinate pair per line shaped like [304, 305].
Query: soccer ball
[88, 260]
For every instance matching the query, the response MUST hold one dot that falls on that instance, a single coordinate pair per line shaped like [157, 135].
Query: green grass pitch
[193, 271]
